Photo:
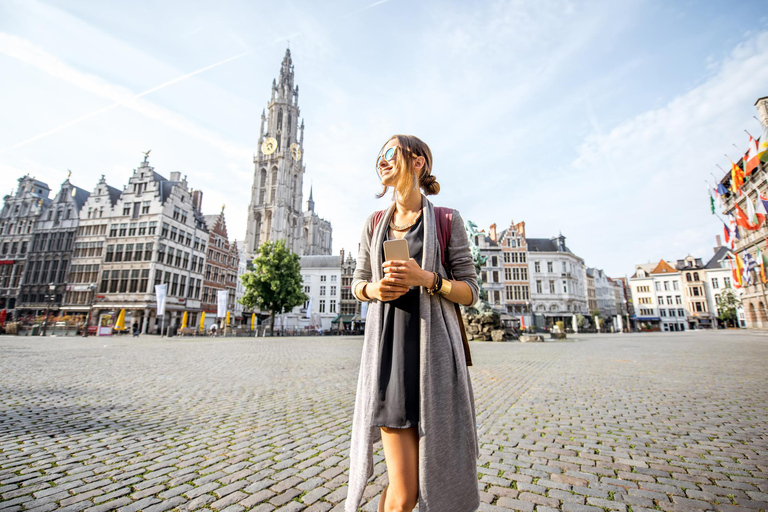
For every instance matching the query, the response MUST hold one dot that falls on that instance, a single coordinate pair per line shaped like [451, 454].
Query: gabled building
[89, 247]
[694, 282]
[492, 272]
[514, 261]
[156, 235]
[50, 252]
[719, 279]
[221, 269]
[20, 212]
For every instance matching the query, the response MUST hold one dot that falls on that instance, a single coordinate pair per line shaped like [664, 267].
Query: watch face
[269, 146]
[295, 151]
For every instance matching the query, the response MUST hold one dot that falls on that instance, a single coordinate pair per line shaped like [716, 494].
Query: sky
[600, 120]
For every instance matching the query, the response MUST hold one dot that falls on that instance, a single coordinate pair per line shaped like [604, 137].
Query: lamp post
[91, 289]
[50, 297]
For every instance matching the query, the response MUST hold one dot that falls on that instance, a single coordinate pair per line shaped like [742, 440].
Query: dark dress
[397, 403]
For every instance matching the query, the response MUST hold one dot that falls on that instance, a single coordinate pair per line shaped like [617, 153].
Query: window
[662, 312]
[536, 266]
[678, 299]
[322, 290]
[110, 253]
[495, 274]
[321, 309]
[507, 274]
[549, 267]
[127, 209]
[333, 292]
[726, 282]
[144, 280]
[675, 285]
[128, 252]
[715, 283]
[332, 307]
[699, 308]
[695, 276]
[148, 252]
[696, 291]
[322, 279]
[669, 299]
[507, 257]
[565, 286]
[538, 286]
[565, 267]
[657, 284]
[551, 286]
[104, 281]
[680, 312]
[672, 312]
[145, 207]
[333, 278]
[666, 285]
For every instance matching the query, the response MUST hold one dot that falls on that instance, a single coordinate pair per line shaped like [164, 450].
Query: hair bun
[430, 185]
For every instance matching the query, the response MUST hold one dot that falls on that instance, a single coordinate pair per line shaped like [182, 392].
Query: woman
[414, 392]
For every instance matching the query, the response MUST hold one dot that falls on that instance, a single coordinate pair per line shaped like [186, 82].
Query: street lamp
[50, 297]
[91, 289]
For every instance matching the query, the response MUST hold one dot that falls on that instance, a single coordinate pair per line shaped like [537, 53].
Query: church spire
[311, 202]
[286, 71]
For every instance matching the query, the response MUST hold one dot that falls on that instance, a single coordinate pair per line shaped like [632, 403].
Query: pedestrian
[414, 391]
[135, 329]
[213, 330]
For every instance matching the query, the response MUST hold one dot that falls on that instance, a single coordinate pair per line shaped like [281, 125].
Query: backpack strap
[376, 218]
[444, 219]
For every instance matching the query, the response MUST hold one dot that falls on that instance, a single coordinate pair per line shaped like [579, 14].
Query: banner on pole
[160, 293]
[221, 310]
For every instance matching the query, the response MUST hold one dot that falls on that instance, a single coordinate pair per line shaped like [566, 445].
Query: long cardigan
[448, 446]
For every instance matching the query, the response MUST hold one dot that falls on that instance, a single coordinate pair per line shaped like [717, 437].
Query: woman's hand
[406, 273]
[384, 290]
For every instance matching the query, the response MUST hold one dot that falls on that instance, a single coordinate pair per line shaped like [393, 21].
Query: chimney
[493, 232]
[175, 176]
[197, 199]
[342, 256]
[719, 243]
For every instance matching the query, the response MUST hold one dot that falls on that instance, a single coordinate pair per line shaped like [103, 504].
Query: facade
[514, 260]
[753, 296]
[242, 268]
[48, 260]
[21, 210]
[591, 293]
[492, 271]
[719, 279]
[322, 284]
[221, 268]
[275, 210]
[558, 282]
[657, 293]
[156, 235]
[601, 296]
[695, 297]
[349, 307]
[620, 299]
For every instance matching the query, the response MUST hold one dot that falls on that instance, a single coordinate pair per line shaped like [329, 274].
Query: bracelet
[445, 289]
[438, 282]
[358, 292]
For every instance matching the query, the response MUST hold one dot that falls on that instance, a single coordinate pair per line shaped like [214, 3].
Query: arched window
[289, 124]
[688, 277]
[273, 192]
[257, 231]
[263, 185]
[280, 120]
[695, 276]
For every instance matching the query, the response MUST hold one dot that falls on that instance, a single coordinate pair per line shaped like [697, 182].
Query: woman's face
[386, 168]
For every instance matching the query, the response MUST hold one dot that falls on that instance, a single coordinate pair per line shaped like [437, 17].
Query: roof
[720, 254]
[211, 220]
[320, 261]
[114, 194]
[80, 197]
[663, 267]
[544, 245]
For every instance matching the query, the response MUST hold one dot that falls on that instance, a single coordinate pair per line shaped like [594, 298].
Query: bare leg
[401, 452]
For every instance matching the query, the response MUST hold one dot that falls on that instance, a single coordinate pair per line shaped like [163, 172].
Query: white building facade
[322, 284]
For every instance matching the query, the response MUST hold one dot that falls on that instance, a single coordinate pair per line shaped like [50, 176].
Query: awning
[343, 318]
[646, 318]
[75, 308]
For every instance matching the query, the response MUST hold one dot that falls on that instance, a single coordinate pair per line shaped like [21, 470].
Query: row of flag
[742, 267]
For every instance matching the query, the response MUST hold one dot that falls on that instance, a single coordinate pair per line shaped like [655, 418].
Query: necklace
[403, 228]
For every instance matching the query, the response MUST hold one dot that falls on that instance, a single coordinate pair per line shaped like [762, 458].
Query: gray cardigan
[448, 446]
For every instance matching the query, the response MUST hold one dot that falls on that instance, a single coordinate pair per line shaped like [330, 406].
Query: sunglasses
[389, 155]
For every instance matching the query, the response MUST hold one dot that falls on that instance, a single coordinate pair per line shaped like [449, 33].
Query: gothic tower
[275, 211]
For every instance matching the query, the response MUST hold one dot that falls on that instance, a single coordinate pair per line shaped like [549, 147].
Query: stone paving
[626, 422]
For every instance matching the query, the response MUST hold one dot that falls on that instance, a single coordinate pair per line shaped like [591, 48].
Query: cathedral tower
[275, 211]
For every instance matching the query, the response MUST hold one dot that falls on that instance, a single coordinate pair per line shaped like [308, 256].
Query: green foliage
[275, 284]
[728, 305]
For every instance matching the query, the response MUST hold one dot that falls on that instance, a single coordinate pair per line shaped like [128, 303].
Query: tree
[727, 306]
[275, 284]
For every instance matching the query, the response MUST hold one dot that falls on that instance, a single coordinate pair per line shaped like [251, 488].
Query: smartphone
[396, 250]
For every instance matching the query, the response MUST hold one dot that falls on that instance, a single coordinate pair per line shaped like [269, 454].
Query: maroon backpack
[444, 219]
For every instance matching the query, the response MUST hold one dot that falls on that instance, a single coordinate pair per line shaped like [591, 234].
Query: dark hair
[412, 147]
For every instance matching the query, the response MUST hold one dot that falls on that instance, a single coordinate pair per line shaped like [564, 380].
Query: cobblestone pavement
[675, 421]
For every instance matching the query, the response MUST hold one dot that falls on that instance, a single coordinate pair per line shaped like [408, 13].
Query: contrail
[118, 103]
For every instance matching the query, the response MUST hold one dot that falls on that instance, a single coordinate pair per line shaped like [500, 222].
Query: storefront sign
[7, 262]
[160, 292]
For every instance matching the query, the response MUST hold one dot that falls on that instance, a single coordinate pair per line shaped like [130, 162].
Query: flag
[737, 178]
[760, 209]
[735, 271]
[762, 261]
[734, 228]
[752, 213]
[751, 160]
[727, 233]
[739, 270]
[749, 266]
[742, 219]
[721, 189]
[762, 145]
[712, 203]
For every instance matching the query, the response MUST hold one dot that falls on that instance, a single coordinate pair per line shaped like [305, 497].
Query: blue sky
[598, 119]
